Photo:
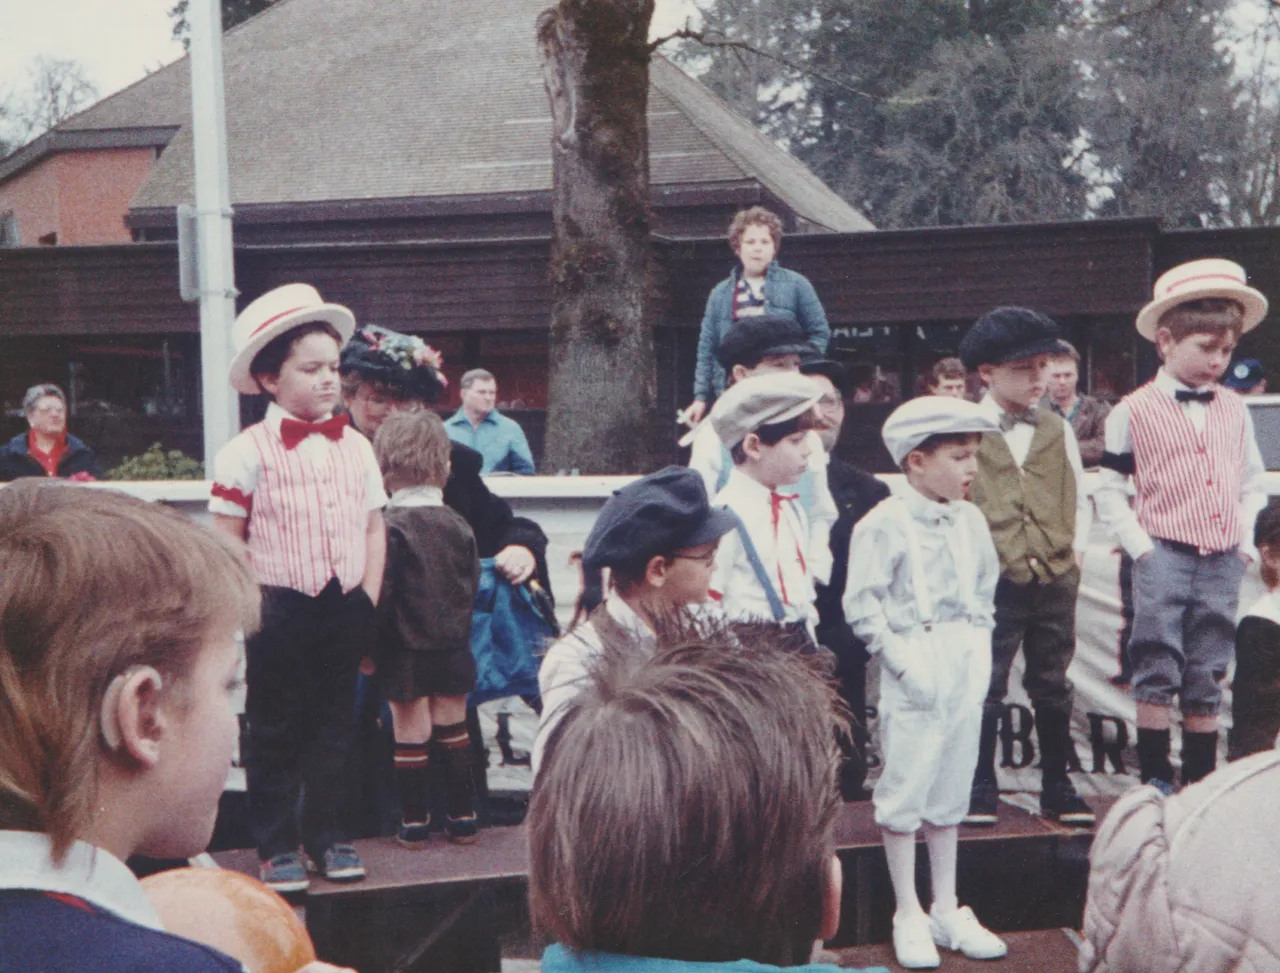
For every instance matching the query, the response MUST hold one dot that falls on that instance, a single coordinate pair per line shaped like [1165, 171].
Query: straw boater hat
[270, 316]
[1195, 281]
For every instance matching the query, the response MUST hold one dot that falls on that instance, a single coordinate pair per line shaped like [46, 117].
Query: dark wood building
[107, 322]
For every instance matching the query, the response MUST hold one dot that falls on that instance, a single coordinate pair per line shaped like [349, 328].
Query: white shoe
[960, 930]
[913, 943]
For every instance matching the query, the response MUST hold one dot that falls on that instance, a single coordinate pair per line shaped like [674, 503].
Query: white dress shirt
[961, 568]
[708, 456]
[783, 550]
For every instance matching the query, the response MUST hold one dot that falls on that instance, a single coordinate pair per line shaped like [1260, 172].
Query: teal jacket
[786, 294]
[557, 959]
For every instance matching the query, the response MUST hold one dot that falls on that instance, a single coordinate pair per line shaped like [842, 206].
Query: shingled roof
[346, 100]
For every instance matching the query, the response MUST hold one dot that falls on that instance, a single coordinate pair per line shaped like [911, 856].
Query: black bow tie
[1187, 395]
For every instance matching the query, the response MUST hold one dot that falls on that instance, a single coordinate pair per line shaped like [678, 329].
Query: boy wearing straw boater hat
[1188, 445]
[304, 491]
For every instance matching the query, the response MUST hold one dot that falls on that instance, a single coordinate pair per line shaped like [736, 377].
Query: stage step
[1042, 951]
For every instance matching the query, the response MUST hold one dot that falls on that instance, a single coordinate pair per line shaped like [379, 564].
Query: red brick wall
[82, 196]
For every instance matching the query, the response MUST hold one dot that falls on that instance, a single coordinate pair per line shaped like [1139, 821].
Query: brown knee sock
[411, 763]
[454, 751]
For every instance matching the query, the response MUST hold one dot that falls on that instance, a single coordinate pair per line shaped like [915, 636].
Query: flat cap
[913, 422]
[656, 514]
[762, 400]
[748, 340]
[1007, 334]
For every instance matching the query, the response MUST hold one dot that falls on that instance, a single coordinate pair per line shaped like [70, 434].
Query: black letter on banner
[1017, 730]
[1104, 748]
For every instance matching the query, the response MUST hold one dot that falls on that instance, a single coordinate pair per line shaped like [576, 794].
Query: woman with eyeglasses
[658, 537]
[46, 449]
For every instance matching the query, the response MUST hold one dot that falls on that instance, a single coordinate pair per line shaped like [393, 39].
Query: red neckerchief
[294, 431]
[50, 459]
[776, 500]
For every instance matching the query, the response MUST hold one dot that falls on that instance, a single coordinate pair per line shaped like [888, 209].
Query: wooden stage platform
[435, 908]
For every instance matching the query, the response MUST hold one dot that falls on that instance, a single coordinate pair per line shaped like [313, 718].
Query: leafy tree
[56, 89]
[233, 12]
[937, 111]
[1164, 120]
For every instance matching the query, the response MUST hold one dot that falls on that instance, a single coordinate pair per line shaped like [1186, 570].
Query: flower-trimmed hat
[401, 362]
[1195, 281]
[270, 316]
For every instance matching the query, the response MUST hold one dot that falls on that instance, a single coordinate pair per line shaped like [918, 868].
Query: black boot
[1199, 755]
[984, 799]
[1058, 798]
[1154, 767]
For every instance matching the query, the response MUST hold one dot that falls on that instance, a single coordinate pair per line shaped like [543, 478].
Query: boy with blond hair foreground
[716, 758]
[118, 663]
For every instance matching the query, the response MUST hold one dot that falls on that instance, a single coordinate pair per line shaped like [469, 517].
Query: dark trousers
[300, 711]
[851, 682]
[1041, 618]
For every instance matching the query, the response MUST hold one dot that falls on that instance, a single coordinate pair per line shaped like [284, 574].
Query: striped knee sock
[455, 753]
[411, 762]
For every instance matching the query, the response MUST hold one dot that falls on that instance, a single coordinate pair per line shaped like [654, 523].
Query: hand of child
[693, 414]
[917, 680]
[515, 563]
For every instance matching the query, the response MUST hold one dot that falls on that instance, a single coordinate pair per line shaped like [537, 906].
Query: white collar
[276, 414]
[87, 872]
[626, 616]
[994, 409]
[929, 512]
[1167, 384]
[417, 496]
[753, 491]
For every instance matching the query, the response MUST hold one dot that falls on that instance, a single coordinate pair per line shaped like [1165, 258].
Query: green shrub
[156, 464]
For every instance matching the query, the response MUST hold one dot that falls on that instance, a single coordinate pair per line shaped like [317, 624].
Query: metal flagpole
[213, 227]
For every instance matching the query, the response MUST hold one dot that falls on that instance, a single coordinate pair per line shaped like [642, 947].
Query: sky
[119, 41]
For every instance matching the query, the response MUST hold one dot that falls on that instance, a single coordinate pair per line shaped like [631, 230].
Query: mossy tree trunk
[595, 58]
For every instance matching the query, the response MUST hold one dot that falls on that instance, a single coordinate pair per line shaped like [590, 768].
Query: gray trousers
[1184, 625]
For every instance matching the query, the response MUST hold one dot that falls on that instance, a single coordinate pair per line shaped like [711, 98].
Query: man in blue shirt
[478, 424]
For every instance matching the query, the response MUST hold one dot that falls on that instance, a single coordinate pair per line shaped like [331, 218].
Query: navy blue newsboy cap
[748, 340]
[656, 514]
[1007, 334]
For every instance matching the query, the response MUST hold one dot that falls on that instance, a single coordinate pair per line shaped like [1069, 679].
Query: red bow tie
[294, 431]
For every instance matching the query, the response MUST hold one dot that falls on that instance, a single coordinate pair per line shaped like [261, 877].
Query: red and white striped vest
[308, 522]
[1188, 483]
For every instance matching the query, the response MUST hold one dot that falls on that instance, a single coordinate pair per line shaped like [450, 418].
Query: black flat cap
[657, 514]
[1007, 334]
[812, 362]
[393, 360]
[751, 339]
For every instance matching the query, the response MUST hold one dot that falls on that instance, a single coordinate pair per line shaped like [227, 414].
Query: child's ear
[751, 446]
[984, 373]
[655, 572]
[269, 383]
[831, 898]
[739, 372]
[133, 721]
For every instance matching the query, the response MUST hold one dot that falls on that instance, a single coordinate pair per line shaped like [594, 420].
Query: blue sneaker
[414, 835]
[341, 864]
[284, 873]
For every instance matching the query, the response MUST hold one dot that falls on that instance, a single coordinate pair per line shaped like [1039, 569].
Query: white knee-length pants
[930, 721]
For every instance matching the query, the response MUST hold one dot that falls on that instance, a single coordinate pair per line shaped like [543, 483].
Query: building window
[8, 229]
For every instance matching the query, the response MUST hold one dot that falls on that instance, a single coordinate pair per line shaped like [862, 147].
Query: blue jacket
[16, 460]
[786, 294]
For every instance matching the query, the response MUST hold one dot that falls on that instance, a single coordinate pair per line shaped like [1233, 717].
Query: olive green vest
[1031, 511]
